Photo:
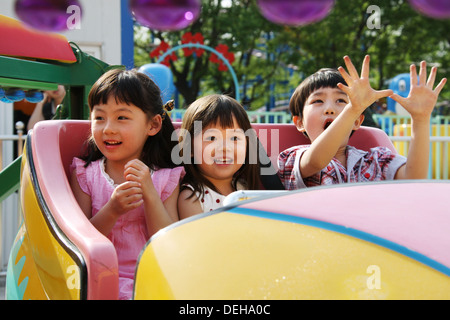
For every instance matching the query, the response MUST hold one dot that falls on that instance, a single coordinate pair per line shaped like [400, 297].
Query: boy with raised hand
[328, 106]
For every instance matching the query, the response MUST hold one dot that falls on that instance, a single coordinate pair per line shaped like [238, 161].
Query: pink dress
[129, 235]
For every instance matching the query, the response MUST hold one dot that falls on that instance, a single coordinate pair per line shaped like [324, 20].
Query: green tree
[242, 28]
[272, 59]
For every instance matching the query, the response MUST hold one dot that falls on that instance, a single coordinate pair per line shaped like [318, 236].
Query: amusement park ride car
[386, 240]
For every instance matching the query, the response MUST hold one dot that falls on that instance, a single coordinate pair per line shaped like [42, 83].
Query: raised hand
[358, 89]
[422, 98]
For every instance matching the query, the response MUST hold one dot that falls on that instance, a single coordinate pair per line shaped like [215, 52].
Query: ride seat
[54, 143]
[57, 142]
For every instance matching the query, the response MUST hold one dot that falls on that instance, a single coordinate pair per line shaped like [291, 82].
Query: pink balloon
[438, 9]
[165, 15]
[45, 15]
[295, 12]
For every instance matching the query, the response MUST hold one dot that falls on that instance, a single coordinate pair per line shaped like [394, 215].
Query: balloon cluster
[11, 95]
[169, 15]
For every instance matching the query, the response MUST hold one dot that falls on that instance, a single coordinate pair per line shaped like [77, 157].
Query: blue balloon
[15, 94]
[34, 96]
[162, 76]
[6, 100]
[400, 84]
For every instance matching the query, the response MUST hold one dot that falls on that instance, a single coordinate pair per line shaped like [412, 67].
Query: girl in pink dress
[127, 184]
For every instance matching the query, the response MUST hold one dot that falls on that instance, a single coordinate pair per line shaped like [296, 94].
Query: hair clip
[169, 105]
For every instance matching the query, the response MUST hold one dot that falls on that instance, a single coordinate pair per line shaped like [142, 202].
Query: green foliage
[271, 59]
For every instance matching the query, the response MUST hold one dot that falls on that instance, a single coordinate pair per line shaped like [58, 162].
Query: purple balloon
[295, 12]
[439, 9]
[167, 15]
[45, 15]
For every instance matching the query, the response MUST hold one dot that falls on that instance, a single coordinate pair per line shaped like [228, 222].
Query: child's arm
[361, 95]
[125, 197]
[157, 214]
[83, 199]
[420, 104]
[188, 207]
[37, 116]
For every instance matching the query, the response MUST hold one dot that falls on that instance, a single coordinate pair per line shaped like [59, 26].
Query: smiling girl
[215, 132]
[127, 185]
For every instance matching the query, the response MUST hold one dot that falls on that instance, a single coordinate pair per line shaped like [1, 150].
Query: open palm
[358, 88]
[422, 98]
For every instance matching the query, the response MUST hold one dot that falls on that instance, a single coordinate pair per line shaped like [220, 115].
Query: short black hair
[135, 88]
[324, 78]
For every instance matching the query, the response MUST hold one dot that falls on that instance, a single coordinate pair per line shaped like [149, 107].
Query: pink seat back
[54, 143]
[278, 137]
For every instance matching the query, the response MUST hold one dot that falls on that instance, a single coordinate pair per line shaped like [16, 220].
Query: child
[327, 107]
[216, 129]
[127, 185]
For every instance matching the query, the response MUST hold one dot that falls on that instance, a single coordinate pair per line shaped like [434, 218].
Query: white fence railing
[9, 208]
[255, 116]
[399, 130]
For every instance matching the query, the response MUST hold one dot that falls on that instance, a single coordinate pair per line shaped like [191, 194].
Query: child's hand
[137, 171]
[126, 196]
[422, 98]
[358, 89]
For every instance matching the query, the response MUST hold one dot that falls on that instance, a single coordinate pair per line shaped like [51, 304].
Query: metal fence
[399, 130]
[254, 116]
[9, 207]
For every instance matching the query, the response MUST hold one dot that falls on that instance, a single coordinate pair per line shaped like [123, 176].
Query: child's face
[320, 109]
[220, 152]
[120, 130]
